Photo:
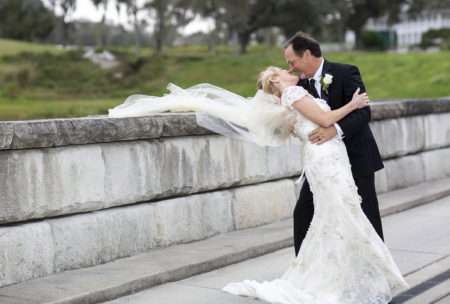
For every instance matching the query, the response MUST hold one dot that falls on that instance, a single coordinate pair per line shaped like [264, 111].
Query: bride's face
[286, 77]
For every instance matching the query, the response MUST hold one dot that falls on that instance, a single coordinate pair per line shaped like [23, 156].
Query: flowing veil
[260, 119]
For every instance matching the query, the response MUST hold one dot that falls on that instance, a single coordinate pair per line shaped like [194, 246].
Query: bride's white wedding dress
[342, 260]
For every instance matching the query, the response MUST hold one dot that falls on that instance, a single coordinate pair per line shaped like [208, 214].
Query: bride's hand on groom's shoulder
[360, 100]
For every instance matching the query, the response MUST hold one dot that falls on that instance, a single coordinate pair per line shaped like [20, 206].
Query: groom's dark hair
[301, 42]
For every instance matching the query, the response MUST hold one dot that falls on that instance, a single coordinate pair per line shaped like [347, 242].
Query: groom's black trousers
[304, 210]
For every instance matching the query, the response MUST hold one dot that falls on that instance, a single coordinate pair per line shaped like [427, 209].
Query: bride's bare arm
[311, 110]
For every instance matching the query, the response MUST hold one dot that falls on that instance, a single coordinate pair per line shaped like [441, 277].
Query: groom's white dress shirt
[318, 87]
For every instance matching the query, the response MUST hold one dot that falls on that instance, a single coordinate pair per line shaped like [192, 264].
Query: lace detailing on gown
[292, 94]
[342, 260]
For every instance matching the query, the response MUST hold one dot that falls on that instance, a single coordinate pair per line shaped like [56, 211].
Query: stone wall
[80, 192]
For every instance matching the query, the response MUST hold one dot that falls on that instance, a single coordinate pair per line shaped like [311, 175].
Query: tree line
[235, 21]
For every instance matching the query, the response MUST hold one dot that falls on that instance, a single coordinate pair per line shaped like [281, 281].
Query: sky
[87, 10]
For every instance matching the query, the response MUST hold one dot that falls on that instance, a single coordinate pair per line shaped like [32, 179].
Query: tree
[25, 20]
[336, 14]
[362, 10]
[243, 18]
[67, 7]
[249, 18]
[295, 15]
[416, 7]
[104, 5]
[133, 9]
[170, 14]
[217, 11]
[210, 8]
[160, 26]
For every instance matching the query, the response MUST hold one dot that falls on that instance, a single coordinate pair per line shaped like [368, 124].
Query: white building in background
[409, 30]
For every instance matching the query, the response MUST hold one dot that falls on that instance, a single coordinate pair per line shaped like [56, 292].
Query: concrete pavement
[445, 300]
[419, 240]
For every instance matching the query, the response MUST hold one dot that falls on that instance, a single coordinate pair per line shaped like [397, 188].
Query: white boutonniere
[326, 81]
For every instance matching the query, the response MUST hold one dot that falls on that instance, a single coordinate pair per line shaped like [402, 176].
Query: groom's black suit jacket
[358, 138]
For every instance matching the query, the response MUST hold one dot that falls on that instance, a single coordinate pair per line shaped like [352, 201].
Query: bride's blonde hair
[264, 81]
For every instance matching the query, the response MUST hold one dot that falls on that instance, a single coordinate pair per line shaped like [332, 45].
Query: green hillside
[13, 47]
[41, 81]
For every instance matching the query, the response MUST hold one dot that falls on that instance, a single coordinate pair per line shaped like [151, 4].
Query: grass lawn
[12, 47]
[24, 109]
[62, 84]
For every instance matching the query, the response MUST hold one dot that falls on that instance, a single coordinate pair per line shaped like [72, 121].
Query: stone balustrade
[80, 192]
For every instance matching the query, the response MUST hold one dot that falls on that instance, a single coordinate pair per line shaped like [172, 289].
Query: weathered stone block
[6, 135]
[394, 108]
[437, 131]
[436, 164]
[401, 136]
[414, 169]
[98, 237]
[193, 217]
[298, 186]
[95, 129]
[26, 251]
[381, 184]
[404, 171]
[385, 109]
[264, 203]
[47, 182]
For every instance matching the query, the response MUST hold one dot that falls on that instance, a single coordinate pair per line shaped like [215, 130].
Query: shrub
[372, 40]
[12, 90]
[24, 78]
[439, 38]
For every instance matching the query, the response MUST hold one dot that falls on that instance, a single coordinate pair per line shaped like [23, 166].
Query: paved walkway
[419, 240]
[446, 300]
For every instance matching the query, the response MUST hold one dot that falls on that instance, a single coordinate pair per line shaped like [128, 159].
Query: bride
[342, 260]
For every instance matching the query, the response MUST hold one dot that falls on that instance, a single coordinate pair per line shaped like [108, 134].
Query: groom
[335, 83]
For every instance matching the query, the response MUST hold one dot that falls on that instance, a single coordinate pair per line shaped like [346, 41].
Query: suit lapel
[326, 70]
[303, 83]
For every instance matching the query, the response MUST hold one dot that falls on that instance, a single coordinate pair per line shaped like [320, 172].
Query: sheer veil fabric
[259, 119]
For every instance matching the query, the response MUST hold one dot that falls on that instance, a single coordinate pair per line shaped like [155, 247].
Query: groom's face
[296, 63]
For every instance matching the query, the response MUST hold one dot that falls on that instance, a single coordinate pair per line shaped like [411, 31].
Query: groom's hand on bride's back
[322, 135]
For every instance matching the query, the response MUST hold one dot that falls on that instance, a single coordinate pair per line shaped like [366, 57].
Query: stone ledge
[96, 129]
[112, 280]
[393, 108]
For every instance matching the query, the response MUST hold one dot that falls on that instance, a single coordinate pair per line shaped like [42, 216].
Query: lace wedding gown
[342, 260]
